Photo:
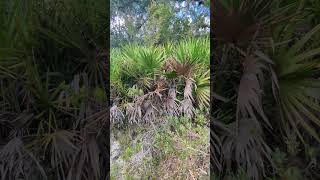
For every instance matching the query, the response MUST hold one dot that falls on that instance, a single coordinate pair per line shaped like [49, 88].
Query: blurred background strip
[54, 82]
[266, 80]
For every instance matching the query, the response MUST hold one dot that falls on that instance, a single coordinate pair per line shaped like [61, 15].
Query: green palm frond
[299, 86]
[142, 61]
[202, 88]
[193, 51]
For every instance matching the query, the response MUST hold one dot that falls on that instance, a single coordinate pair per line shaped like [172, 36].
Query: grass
[176, 149]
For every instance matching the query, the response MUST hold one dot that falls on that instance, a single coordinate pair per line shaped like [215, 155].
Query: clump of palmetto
[165, 83]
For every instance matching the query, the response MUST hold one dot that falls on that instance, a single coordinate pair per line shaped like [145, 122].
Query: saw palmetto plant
[156, 81]
[268, 70]
[53, 74]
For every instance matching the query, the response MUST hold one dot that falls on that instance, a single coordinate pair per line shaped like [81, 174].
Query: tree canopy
[152, 22]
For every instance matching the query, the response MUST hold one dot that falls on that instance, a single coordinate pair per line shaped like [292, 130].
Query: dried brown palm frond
[172, 92]
[85, 164]
[133, 112]
[169, 65]
[170, 106]
[181, 69]
[185, 70]
[97, 120]
[146, 107]
[217, 129]
[153, 105]
[79, 80]
[215, 151]
[187, 93]
[186, 105]
[18, 162]
[150, 113]
[250, 90]
[160, 86]
[246, 146]
[93, 149]
[116, 115]
[60, 147]
[186, 108]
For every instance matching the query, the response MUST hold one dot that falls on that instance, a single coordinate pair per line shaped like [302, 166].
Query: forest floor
[174, 149]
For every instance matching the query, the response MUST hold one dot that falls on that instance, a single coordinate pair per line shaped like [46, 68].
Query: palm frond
[249, 100]
[298, 86]
[247, 147]
[202, 88]
[16, 161]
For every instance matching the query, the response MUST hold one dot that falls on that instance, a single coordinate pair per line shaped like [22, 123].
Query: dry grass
[171, 150]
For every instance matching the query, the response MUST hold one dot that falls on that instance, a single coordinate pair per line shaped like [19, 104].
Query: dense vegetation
[266, 66]
[161, 92]
[160, 89]
[148, 82]
[53, 75]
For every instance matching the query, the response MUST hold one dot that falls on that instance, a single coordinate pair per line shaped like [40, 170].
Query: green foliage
[141, 62]
[146, 80]
[193, 51]
[158, 24]
[150, 22]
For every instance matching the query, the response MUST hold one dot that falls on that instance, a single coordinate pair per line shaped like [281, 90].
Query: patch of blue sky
[194, 10]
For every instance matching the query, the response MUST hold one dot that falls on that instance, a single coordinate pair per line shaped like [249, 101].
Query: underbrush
[176, 148]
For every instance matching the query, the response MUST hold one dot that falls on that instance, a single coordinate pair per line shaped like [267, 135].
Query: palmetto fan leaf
[60, 146]
[85, 164]
[240, 22]
[249, 101]
[142, 62]
[74, 30]
[17, 161]
[202, 88]
[193, 52]
[170, 105]
[17, 23]
[90, 58]
[299, 87]
[187, 108]
[190, 57]
[151, 58]
[116, 115]
[133, 112]
[245, 144]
